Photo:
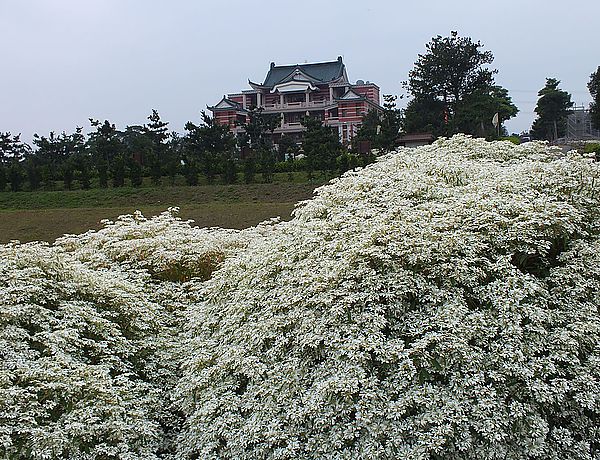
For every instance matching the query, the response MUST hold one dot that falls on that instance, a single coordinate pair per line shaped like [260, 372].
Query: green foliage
[135, 173]
[425, 114]
[287, 148]
[118, 171]
[514, 139]
[104, 145]
[158, 133]
[249, 169]
[208, 146]
[321, 146]
[33, 173]
[68, 174]
[453, 90]
[594, 87]
[381, 129]
[15, 176]
[552, 110]
[3, 178]
[592, 147]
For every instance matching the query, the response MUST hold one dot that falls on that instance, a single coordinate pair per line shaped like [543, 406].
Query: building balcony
[291, 106]
[293, 127]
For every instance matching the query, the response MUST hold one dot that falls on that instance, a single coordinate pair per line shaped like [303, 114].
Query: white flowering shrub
[442, 303]
[167, 247]
[81, 359]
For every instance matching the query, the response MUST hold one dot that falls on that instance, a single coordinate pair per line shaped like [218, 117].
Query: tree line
[451, 87]
[109, 157]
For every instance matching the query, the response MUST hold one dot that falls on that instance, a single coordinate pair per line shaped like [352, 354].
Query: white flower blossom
[442, 303]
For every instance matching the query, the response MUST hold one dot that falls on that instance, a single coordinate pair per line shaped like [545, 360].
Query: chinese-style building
[320, 90]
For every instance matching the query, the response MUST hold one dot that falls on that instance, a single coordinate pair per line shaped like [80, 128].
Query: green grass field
[46, 215]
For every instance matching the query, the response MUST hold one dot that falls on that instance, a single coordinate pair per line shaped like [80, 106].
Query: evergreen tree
[229, 168]
[391, 123]
[452, 89]
[3, 178]
[135, 173]
[158, 133]
[209, 145]
[104, 145]
[68, 174]
[594, 87]
[118, 171]
[425, 115]
[552, 109]
[249, 168]
[259, 139]
[12, 153]
[33, 173]
[321, 146]
[287, 148]
[15, 176]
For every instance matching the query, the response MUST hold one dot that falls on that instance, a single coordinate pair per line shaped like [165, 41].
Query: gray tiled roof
[321, 71]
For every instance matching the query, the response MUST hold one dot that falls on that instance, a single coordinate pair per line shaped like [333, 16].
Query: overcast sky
[64, 61]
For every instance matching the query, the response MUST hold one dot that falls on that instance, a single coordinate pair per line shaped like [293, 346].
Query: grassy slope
[46, 215]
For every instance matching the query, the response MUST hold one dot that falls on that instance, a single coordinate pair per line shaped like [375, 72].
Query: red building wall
[370, 91]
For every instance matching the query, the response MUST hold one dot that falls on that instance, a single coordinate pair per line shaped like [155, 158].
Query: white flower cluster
[76, 347]
[169, 248]
[442, 303]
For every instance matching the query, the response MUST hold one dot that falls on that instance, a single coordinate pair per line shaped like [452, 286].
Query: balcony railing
[296, 105]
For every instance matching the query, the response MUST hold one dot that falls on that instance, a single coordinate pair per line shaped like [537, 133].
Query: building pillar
[244, 98]
[282, 119]
[330, 94]
[281, 99]
[307, 98]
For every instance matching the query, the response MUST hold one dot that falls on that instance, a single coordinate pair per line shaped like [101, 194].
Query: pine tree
[552, 109]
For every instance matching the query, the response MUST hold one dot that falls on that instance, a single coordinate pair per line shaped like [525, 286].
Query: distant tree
[229, 167]
[118, 171]
[208, 145]
[137, 142]
[452, 89]
[321, 146]
[190, 172]
[173, 156]
[381, 129]
[83, 165]
[552, 109]
[426, 115]
[390, 122]
[287, 148]
[105, 145]
[68, 174]
[259, 138]
[473, 116]
[158, 132]
[135, 172]
[3, 178]
[12, 153]
[368, 129]
[249, 168]
[594, 87]
[11, 148]
[15, 176]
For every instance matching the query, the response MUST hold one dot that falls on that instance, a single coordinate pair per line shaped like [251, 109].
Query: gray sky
[64, 61]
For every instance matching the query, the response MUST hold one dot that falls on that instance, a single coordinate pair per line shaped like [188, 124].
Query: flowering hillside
[442, 303]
